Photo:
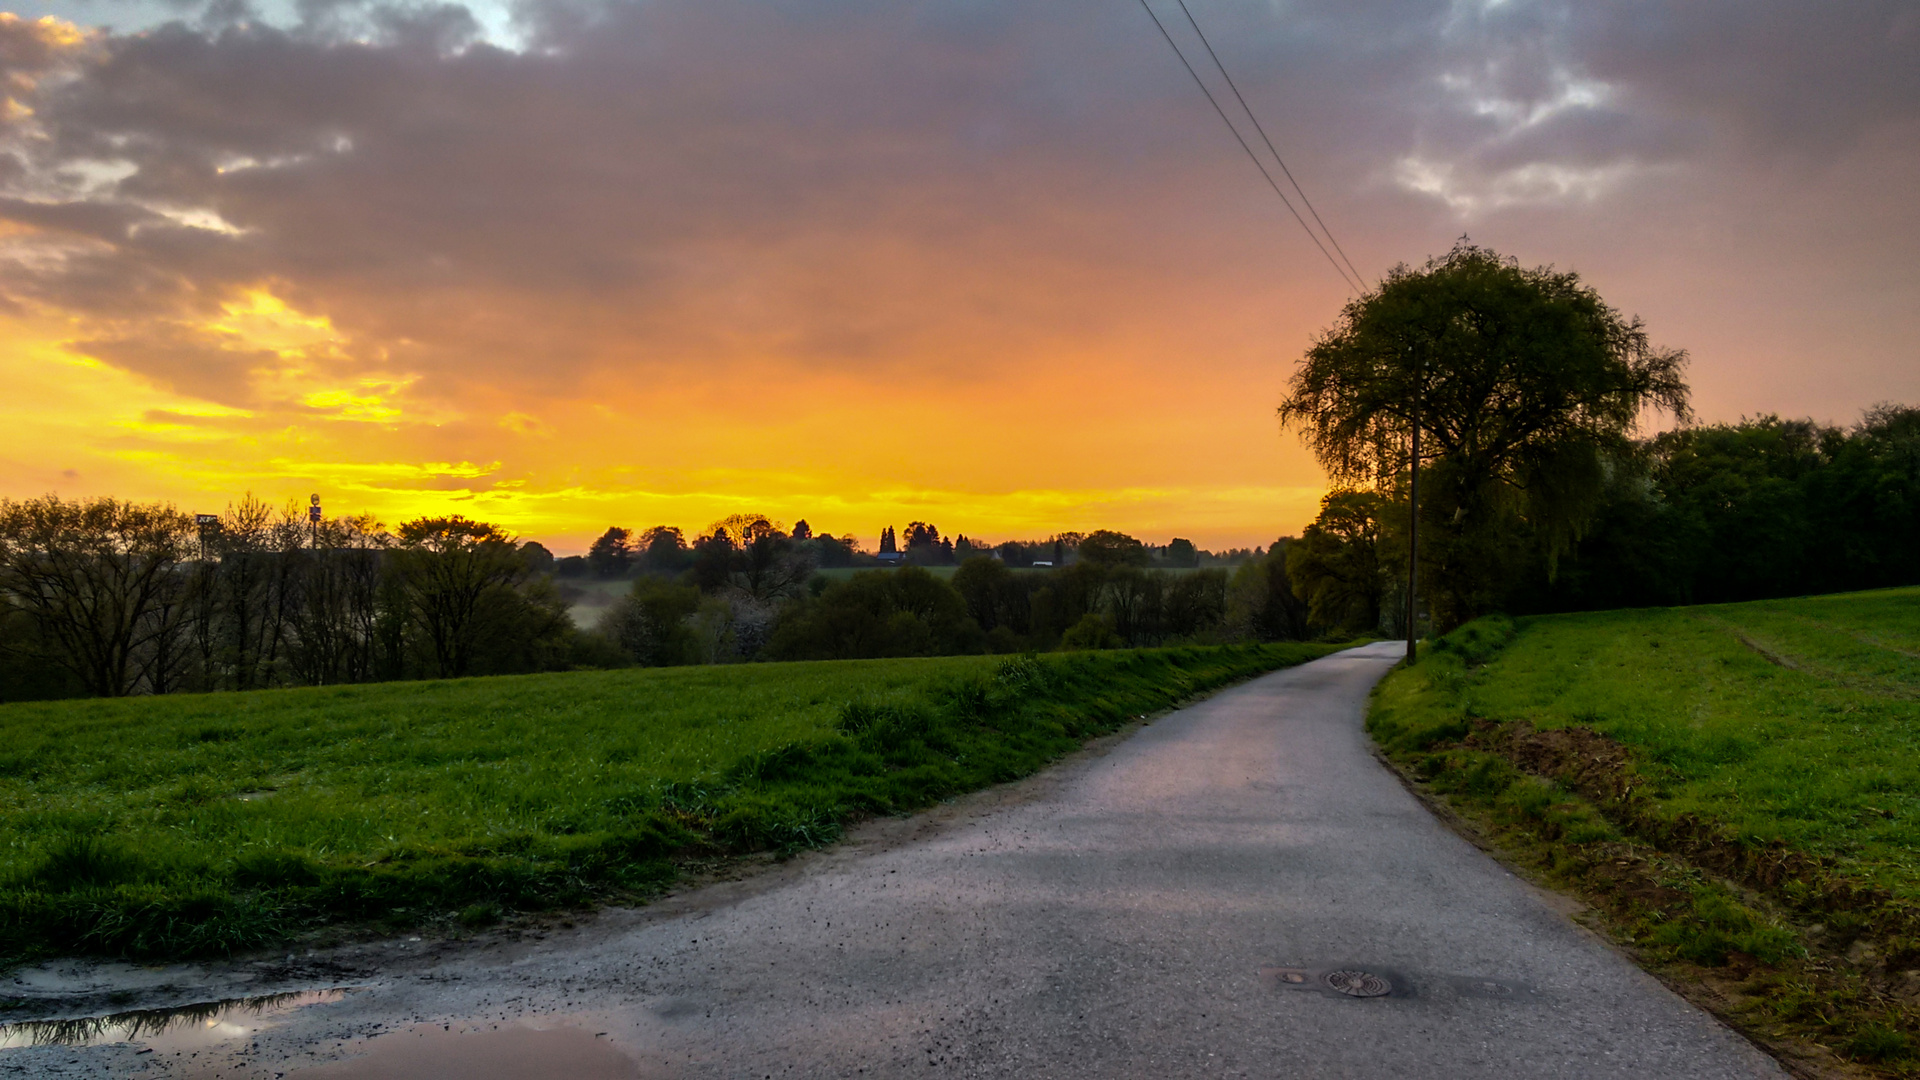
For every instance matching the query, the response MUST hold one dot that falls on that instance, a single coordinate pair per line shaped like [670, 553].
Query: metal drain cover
[1355, 983]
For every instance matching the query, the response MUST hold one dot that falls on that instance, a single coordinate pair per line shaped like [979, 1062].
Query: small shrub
[1094, 631]
[274, 869]
[1481, 775]
[474, 916]
[1878, 1042]
[1718, 925]
[893, 730]
[970, 701]
[1022, 676]
[1590, 829]
[1528, 798]
[774, 765]
[857, 717]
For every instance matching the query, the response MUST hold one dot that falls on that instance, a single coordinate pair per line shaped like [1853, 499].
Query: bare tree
[335, 623]
[99, 577]
[252, 602]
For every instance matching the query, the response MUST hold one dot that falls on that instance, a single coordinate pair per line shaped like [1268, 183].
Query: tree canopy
[1109, 548]
[1523, 383]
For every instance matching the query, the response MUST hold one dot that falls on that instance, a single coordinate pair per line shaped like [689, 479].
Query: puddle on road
[509, 1053]
[188, 1027]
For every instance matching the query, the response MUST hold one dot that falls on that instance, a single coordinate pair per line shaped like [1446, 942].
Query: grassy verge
[179, 826]
[1735, 788]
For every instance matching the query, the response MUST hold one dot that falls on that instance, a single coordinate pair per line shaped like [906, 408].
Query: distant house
[892, 556]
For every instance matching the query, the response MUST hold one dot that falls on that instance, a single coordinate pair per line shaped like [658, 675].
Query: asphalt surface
[1188, 902]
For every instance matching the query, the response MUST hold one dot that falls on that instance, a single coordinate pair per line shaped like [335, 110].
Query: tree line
[1716, 513]
[1512, 396]
[106, 597]
[748, 589]
[665, 550]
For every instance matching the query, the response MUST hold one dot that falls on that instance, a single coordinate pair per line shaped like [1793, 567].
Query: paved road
[1137, 913]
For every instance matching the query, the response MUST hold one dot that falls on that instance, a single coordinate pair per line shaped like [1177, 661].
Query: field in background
[588, 598]
[1739, 785]
[944, 573]
[199, 823]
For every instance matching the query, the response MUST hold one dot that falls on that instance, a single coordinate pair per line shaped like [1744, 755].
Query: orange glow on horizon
[848, 456]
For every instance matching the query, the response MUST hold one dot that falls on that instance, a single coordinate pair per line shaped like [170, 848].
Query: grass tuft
[84, 864]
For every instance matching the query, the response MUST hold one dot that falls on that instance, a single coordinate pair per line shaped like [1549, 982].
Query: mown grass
[1737, 784]
[178, 826]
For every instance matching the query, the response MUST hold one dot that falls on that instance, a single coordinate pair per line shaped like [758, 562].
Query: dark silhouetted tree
[1522, 383]
[908, 612]
[663, 550]
[1338, 565]
[1104, 547]
[539, 558]
[446, 567]
[1260, 600]
[650, 623]
[612, 554]
[94, 575]
[1181, 554]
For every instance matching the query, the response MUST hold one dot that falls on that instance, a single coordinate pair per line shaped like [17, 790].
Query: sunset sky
[561, 264]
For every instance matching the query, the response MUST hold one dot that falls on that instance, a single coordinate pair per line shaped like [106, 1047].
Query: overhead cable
[1251, 156]
[1248, 109]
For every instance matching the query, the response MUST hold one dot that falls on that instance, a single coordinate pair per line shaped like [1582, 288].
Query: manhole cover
[1360, 984]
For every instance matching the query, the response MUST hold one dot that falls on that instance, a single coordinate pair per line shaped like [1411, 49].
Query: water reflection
[206, 1023]
[505, 1053]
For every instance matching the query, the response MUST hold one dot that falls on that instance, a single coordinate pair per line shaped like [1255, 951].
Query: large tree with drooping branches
[1523, 384]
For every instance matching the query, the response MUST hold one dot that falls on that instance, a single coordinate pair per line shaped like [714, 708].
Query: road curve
[1181, 905]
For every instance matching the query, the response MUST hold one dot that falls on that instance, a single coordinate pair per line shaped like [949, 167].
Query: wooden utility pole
[1413, 548]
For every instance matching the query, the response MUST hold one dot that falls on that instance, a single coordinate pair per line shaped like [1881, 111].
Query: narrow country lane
[1238, 889]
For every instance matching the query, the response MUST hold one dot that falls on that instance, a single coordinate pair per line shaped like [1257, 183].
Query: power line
[1248, 109]
[1251, 156]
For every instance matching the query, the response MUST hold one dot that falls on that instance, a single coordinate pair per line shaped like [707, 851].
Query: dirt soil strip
[1864, 966]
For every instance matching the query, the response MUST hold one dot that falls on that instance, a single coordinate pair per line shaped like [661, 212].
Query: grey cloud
[184, 363]
[1793, 77]
[1593, 137]
[107, 222]
[848, 181]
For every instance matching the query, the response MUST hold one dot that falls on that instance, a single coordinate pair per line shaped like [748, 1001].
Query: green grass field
[1649, 756]
[164, 827]
[1789, 721]
[842, 573]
